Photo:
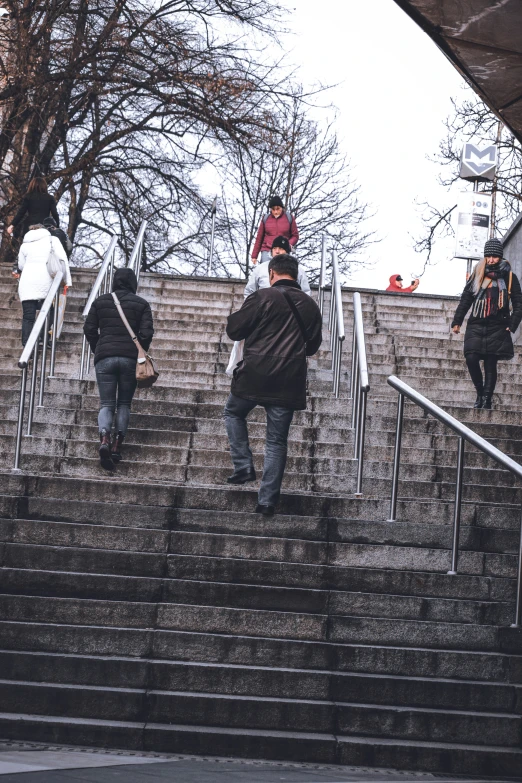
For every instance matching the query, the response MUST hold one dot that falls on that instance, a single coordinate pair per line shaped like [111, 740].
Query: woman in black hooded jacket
[490, 291]
[115, 356]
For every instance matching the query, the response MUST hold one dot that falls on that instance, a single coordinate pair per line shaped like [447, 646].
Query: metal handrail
[359, 388]
[465, 434]
[102, 284]
[32, 348]
[336, 324]
[322, 275]
[137, 251]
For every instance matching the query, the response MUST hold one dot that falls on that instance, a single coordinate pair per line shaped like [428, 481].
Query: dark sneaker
[266, 511]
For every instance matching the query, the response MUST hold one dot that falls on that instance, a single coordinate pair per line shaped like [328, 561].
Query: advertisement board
[473, 216]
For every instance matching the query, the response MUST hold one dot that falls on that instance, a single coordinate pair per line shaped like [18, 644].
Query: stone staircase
[152, 609]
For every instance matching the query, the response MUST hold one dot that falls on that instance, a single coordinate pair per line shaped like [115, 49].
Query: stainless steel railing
[336, 324]
[465, 434]
[102, 285]
[137, 251]
[322, 275]
[359, 388]
[32, 347]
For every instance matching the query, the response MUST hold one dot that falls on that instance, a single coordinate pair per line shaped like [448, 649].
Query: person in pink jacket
[276, 224]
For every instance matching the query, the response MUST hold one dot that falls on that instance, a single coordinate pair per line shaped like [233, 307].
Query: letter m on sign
[478, 163]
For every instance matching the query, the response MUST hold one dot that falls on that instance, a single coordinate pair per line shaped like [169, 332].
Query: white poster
[472, 224]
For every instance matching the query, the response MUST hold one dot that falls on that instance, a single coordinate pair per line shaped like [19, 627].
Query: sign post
[474, 208]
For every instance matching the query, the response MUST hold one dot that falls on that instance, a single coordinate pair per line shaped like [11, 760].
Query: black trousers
[486, 384]
[30, 307]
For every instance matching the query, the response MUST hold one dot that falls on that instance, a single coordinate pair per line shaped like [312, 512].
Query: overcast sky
[394, 92]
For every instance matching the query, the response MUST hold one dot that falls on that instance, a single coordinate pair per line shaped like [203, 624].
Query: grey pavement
[26, 764]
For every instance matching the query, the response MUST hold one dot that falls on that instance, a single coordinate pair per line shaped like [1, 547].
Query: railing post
[32, 390]
[518, 608]
[458, 506]
[55, 334]
[356, 386]
[213, 210]
[44, 363]
[23, 388]
[322, 274]
[361, 432]
[396, 459]
[82, 358]
[337, 368]
[354, 360]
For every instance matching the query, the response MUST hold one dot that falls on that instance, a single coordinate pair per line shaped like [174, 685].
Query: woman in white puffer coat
[35, 280]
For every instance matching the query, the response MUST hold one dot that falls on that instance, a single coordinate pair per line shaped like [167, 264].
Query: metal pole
[470, 260]
[23, 387]
[396, 459]
[337, 369]
[495, 187]
[322, 274]
[354, 360]
[82, 359]
[32, 390]
[355, 400]
[458, 506]
[518, 609]
[55, 335]
[111, 267]
[88, 368]
[44, 363]
[213, 211]
[333, 342]
[362, 433]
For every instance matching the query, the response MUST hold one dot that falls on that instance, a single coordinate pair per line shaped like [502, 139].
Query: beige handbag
[146, 375]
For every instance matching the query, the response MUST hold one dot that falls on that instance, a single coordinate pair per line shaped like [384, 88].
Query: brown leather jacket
[273, 370]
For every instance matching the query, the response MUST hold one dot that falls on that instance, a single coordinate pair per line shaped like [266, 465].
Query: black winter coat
[273, 370]
[35, 207]
[489, 336]
[105, 331]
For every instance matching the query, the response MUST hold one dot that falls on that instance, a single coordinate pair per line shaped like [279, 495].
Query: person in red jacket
[397, 286]
[277, 223]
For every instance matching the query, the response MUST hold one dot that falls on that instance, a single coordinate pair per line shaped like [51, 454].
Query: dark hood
[125, 280]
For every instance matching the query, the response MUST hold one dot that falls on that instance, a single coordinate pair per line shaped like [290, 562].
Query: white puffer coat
[35, 280]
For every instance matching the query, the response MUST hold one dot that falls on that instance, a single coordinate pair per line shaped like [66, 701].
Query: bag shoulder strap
[290, 302]
[124, 319]
[509, 284]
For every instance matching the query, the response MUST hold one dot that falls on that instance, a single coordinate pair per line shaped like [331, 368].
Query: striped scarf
[493, 294]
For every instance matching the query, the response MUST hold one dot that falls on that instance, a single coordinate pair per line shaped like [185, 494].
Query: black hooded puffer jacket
[105, 331]
[489, 336]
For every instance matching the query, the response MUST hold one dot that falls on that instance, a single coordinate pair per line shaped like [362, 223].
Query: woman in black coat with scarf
[490, 291]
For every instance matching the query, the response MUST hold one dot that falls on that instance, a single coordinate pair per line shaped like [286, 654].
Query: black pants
[483, 385]
[30, 308]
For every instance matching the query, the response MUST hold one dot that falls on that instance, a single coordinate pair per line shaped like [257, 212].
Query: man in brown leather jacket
[281, 326]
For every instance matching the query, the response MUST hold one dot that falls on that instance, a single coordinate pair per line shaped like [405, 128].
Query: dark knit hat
[494, 247]
[275, 201]
[281, 242]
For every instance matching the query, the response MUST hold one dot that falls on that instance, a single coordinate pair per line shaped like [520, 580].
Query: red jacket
[272, 228]
[394, 287]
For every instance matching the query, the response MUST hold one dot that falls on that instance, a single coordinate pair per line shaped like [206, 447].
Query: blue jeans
[116, 377]
[278, 420]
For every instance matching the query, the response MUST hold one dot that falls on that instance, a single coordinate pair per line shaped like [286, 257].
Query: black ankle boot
[486, 404]
[480, 400]
[116, 447]
[105, 451]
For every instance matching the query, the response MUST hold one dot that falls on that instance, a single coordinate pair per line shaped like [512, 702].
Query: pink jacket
[272, 228]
